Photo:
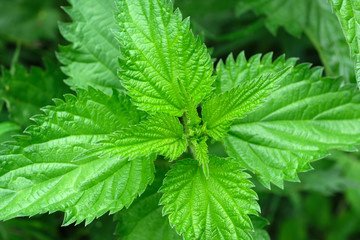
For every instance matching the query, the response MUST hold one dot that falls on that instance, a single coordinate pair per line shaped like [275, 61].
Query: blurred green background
[325, 205]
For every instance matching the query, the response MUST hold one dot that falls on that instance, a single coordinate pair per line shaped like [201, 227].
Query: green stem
[187, 134]
[15, 58]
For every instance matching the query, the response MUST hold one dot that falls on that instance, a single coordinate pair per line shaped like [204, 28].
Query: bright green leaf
[221, 109]
[238, 72]
[158, 52]
[348, 12]
[161, 133]
[91, 58]
[37, 174]
[209, 208]
[300, 122]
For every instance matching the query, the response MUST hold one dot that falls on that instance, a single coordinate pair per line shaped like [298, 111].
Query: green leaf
[91, 58]
[300, 122]
[280, 13]
[315, 19]
[158, 52]
[37, 174]
[161, 133]
[144, 220]
[260, 234]
[26, 92]
[201, 153]
[348, 12]
[221, 109]
[238, 72]
[324, 31]
[259, 223]
[6, 127]
[213, 208]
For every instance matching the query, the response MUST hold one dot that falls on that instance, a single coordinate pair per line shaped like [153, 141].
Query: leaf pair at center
[161, 133]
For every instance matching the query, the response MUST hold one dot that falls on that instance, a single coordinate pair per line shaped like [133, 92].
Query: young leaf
[91, 58]
[238, 72]
[37, 174]
[161, 133]
[26, 92]
[144, 220]
[158, 51]
[300, 122]
[201, 153]
[220, 110]
[213, 208]
[348, 12]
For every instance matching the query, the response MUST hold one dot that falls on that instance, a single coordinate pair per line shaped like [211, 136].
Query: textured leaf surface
[316, 20]
[348, 12]
[213, 208]
[161, 56]
[91, 58]
[221, 109]
[26, 92]
[300, 122]
[37, 173]
[161, 133]
[144, 220]
[234, 73]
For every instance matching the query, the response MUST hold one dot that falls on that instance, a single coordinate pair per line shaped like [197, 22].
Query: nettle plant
[148, 98]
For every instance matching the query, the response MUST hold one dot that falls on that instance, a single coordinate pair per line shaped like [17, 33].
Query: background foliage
[325, 205]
